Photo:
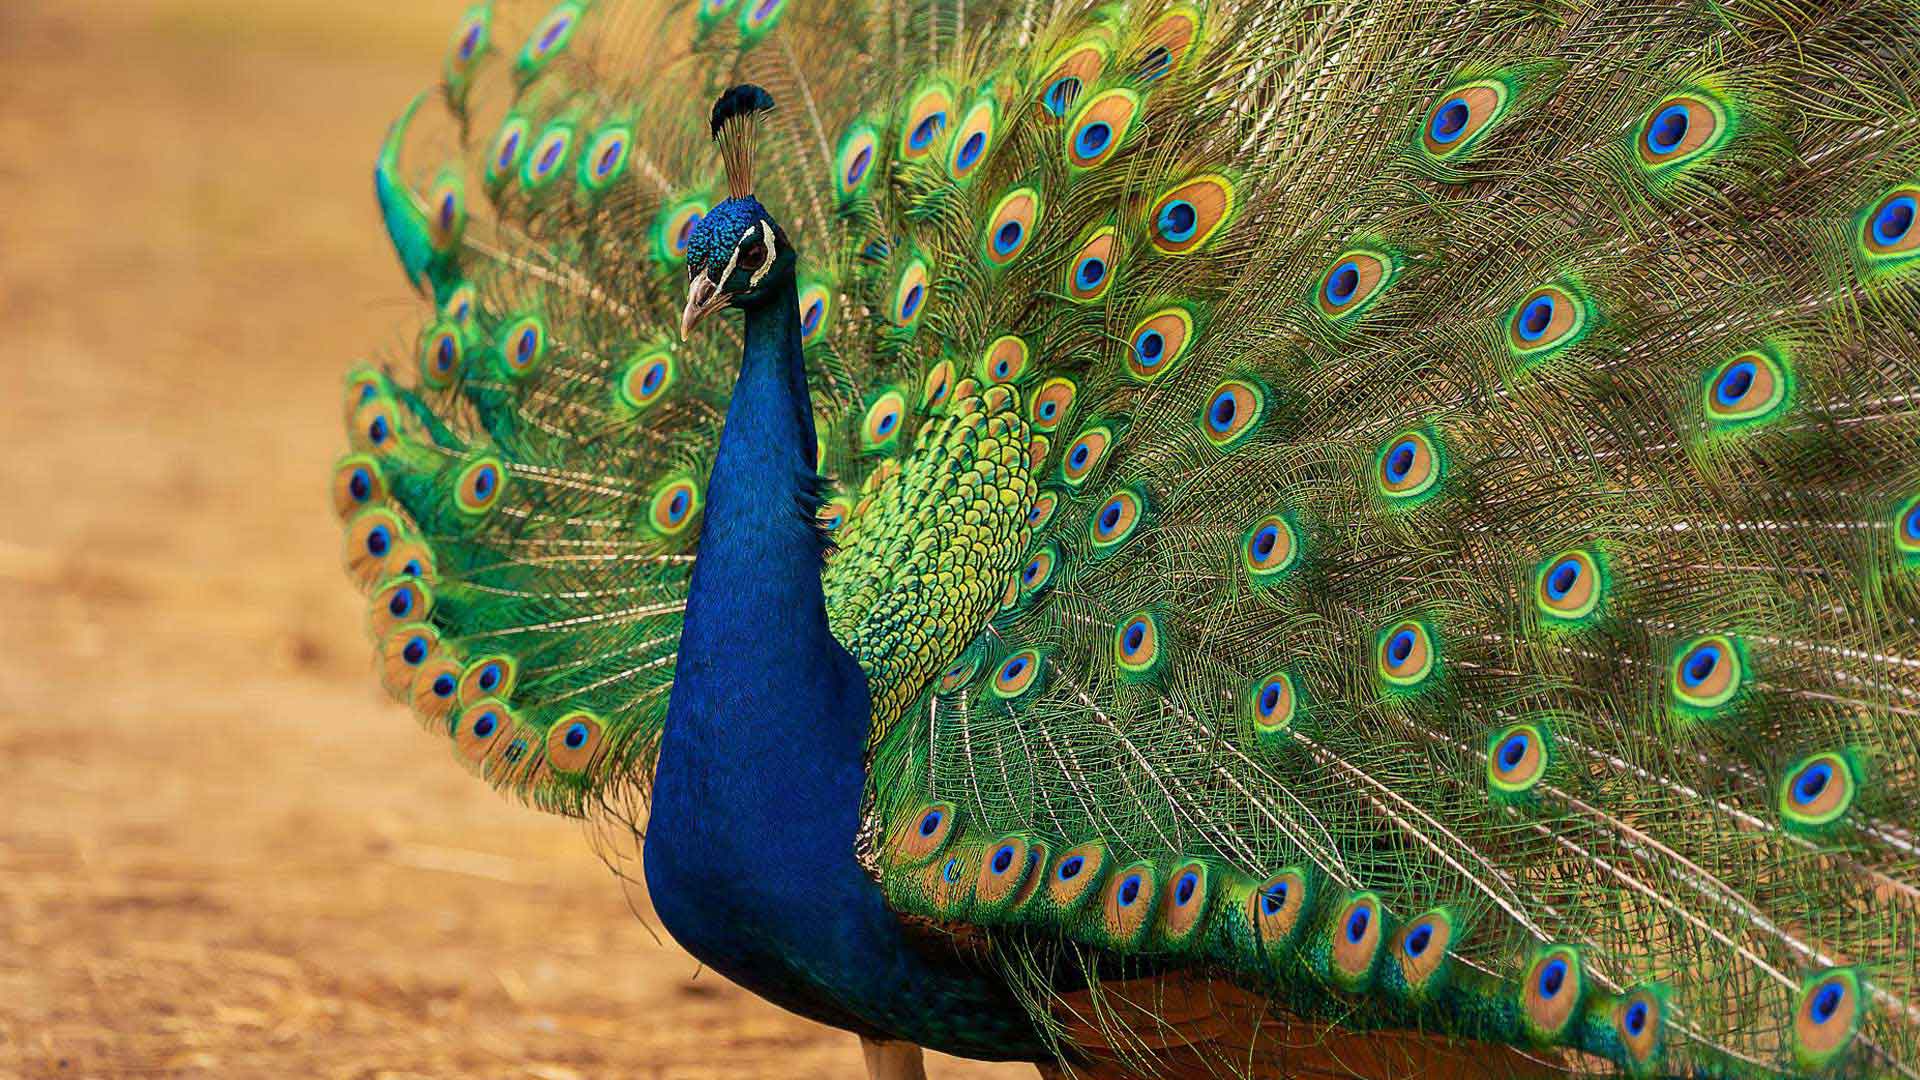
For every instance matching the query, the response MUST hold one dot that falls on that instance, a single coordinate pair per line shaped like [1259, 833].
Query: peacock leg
[888, 1060]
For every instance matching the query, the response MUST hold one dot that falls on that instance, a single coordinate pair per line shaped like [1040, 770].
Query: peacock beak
[703, 299]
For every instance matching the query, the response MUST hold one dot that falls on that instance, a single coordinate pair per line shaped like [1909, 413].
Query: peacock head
[737, 256]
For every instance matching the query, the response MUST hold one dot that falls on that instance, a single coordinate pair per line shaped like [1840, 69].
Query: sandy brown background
[222, 851]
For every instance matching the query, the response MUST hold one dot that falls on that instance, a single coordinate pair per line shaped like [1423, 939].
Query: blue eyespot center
[551, 155]
[1178, 221]
[415, 651]
[1513, 751]
[1090, 272]
[1912, 524]
[558, 27]
[1535, 319]
[970, 150]
[1135, 637]
[609, 157]
[1188, 885]
[1812, 782]
[1635, 1020]
[444, 686]
[576, 736]
[1417, 940]
[1007, 238]
[1700, 664]
[379, 540]
[1563, 577]
[1003, 859]
[1734, 383]
[448, 206]
[930, 823]
[1071, 867]
[1400, 647]
[1149, 347]
[1827, 1000]
[377, 431]
[523, 349]
[401, 603]
[1343, 283]
[911, 304]
[1129, 890]
[677, 505]
[1013, 669]
[1269, 698]
[485, 724]
[651, 381]
[1060, 95]
[1110, 517]
[509, 149]
[1895, 220]
[1156, 63]
[1079, 456]
[1092, 139]
[1400, 461]
[1357, 923]
[1553, 977]
[1222, 414]
[1273, 898]
[489, 677]
[951, 871]
[858, 167]
[1449, 120]
[470, 41]
[483, 482]
[1032, 571]
[885, 426]
[412, 569]
[443, 353]
[924, 132]
[1668, 129]
[360, 485]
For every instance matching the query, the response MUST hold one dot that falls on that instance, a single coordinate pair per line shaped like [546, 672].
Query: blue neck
[756, 801]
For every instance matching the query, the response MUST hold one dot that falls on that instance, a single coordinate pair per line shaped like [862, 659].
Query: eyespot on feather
[1551, 993]
[509, 149]
[446, 211]
[1517, 759]
[1888, 229]
[853, 162]
[1084, 455]
[884, 420]
[937, 389]
[1233, 413]
[411, 558]
[1272, 702]
[1017, 674]
[1747, 388]
[400, 600]
[481, 727]
[759, 16]
[1548, 320]
[1099, 127]
[523, 345]
[1353, 282]
[1826, 1016]
[478, 487]
[1004, 870]
[1355, 935]
[646, 380]
[1706, 673]
[549, 37]
[910, 295]
[491, 676]
[606, 158]
[1188, 215]
[921, 835]
[1275, 906]
[435, 689]
[1051, 404]
[673, 230]
[1137, 645]
[816, 311]
[1090, 269]
[973, 139]
[1406, 654]
[548, 157]
[441, 355]
[1817, 791]
[1076, 70]
[375, 427]
[1681, 129]
[1004, 361]
[1038, 571]
[1184, 903]
[403, 652]
[1638, 1022]
[1075, 874]
[1114, 523]
[1127, 905]
[574, 741]
[370, 537]
[357, 484]
[1167, 43]
[1419, 952]
[926, 117]
[1269, 549]
[1408, 466]
[675, 505]
[1159, 342]
[1011, 226]
[1569, 587]
[1044, 505]
[1462, 115]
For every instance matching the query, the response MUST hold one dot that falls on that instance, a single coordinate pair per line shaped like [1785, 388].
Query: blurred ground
[222, 852]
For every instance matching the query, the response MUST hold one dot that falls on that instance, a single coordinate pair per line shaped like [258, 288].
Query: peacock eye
[753, 254]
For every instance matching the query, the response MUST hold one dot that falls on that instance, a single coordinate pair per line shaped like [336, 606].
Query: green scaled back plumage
[1445, 558]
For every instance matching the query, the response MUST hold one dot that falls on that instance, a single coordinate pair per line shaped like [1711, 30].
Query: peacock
[1296, 538]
